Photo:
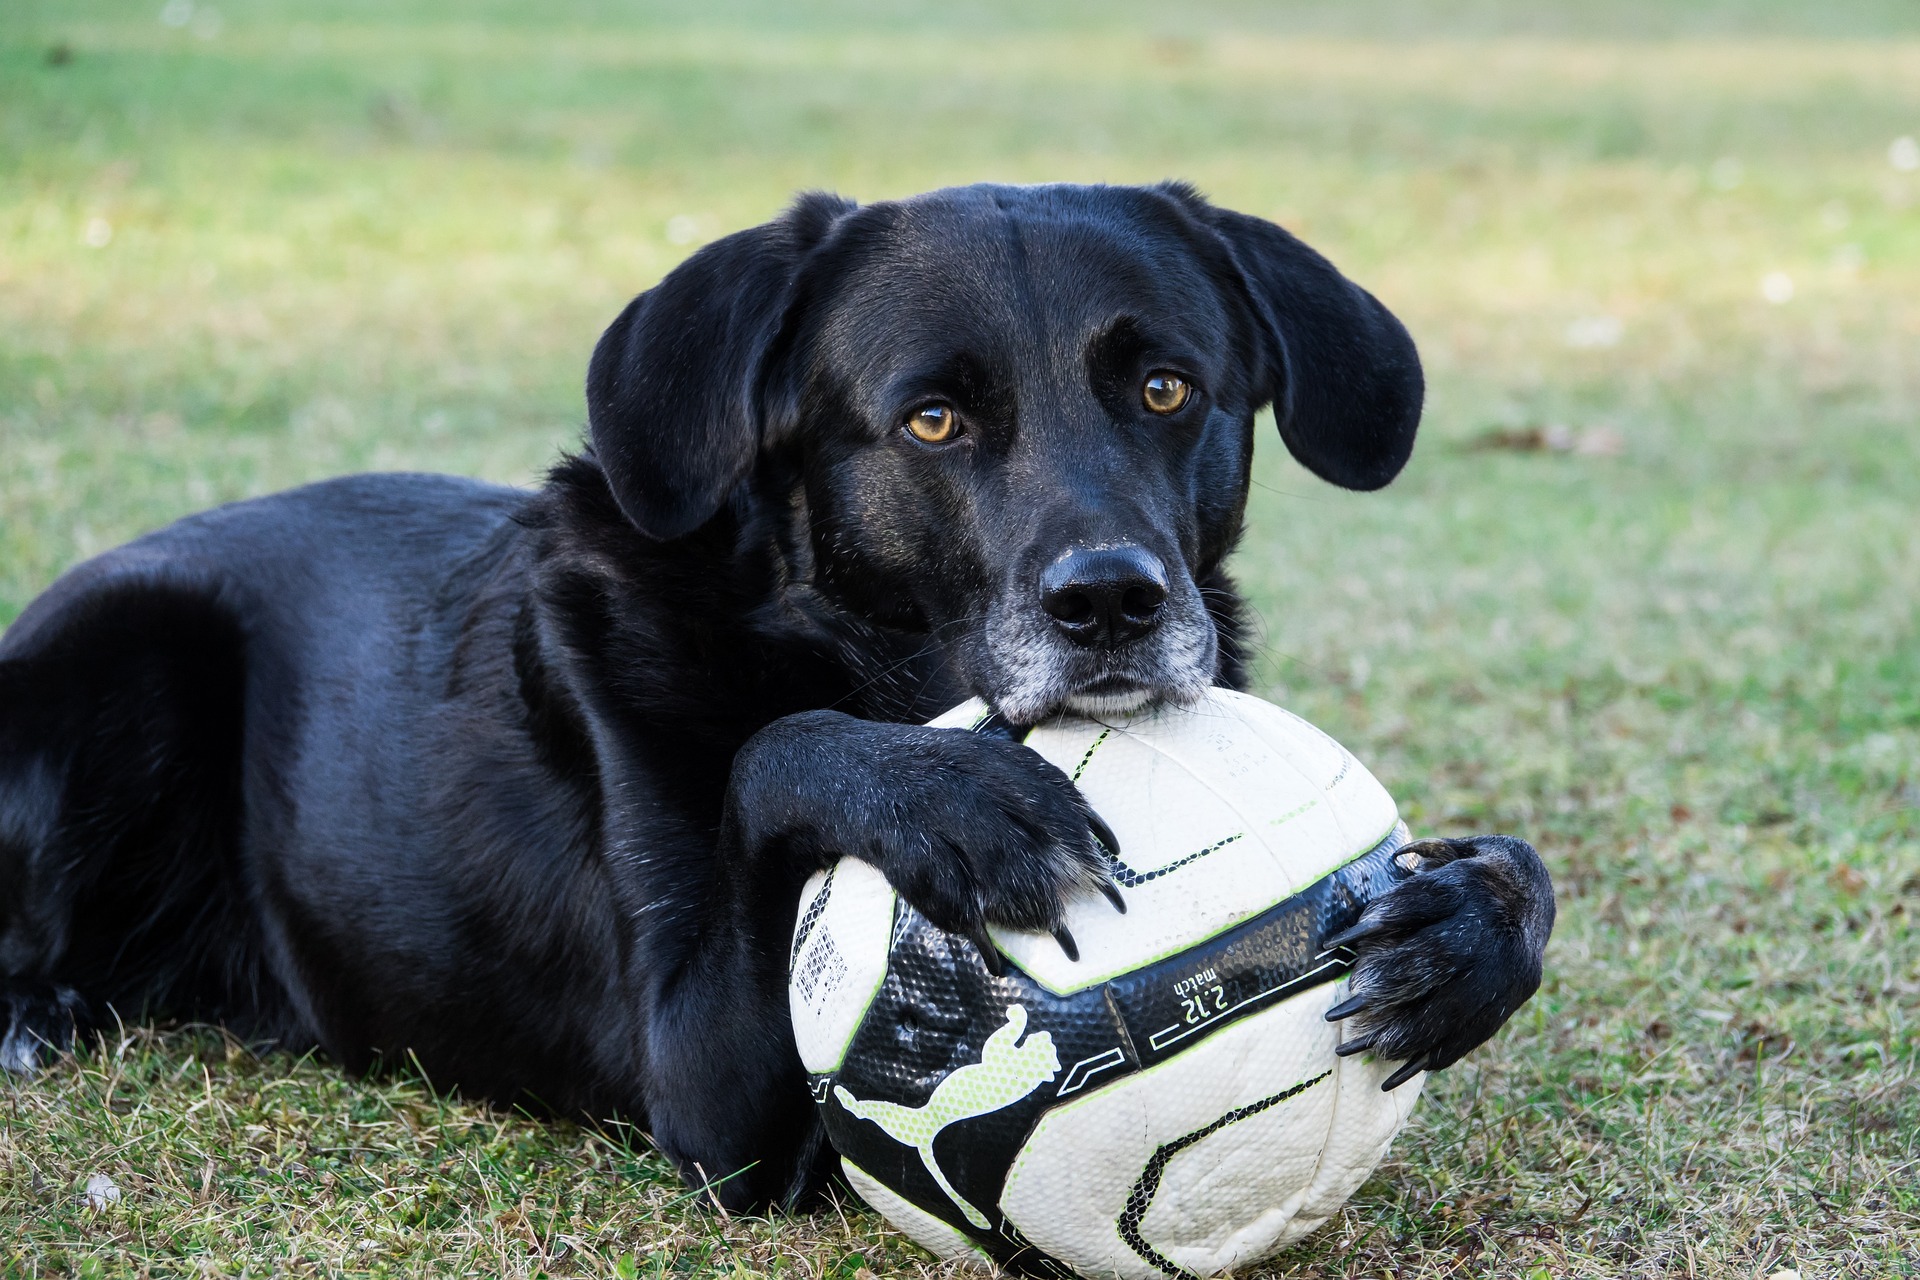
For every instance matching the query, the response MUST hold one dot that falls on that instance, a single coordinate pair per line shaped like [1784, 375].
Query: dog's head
[1017, 418]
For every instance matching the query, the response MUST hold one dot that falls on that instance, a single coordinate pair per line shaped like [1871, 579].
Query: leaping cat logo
[1007, 1072]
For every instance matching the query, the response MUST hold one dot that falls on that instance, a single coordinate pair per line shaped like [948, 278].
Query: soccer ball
[1169, 1104]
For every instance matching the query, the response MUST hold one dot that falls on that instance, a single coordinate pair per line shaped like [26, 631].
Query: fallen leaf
[1553, 437]
[1846, 879]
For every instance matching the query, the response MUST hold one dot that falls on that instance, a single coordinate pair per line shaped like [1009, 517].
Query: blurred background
[1647, 593]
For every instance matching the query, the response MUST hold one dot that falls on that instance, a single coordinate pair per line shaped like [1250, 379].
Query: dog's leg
[1444, 959]
[37, 1015]
[120, 727]
[970, 829]
[37, 1019]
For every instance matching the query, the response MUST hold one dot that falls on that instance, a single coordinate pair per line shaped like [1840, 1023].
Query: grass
[281, 242]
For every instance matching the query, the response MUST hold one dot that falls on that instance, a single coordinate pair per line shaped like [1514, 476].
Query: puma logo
[1008, 1071]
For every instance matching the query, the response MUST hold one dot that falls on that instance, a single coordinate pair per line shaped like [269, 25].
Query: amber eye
[1165, 392]
[933, 424]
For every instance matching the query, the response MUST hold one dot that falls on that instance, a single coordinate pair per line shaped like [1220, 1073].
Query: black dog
[526, 784]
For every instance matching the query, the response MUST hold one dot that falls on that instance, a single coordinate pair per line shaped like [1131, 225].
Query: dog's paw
[37, 1021]
[970, 829]
[988, 832]
[1443, 960]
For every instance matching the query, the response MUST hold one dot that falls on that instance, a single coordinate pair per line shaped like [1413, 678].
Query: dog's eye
[1165, 392]
[933, 424]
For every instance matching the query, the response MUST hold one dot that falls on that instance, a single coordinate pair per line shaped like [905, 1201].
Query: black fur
[525, 784]
[1472, 924]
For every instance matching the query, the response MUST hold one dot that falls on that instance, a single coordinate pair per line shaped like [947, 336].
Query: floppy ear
[1341, 371]
[672, 389]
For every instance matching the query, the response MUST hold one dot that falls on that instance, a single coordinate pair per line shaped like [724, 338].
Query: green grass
[1685, 662]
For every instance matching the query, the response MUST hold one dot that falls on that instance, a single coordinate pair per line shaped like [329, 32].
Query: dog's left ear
[1341, 371]
[673, 387]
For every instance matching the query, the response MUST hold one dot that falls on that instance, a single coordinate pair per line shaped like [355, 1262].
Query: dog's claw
[1067, 944]
[989, 954]
[1112, 892]
[1346, 1008]
[1351, 1047]
[1360, 931]
[1408, 1070]
[1104, 833]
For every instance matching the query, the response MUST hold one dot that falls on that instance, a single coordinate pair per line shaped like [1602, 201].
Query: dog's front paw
[1442, 961]
[988, 832]
[972, 830]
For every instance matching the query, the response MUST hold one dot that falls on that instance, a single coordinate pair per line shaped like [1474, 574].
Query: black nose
[1102, 597]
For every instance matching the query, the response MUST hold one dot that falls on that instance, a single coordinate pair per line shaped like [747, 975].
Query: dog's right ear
[1340, 370]
[672, 390]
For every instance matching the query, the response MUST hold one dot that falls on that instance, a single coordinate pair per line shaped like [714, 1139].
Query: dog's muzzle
[1106, 629]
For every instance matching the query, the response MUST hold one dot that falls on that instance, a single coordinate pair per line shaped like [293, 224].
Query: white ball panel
[1210, 744]
[1359, 807]
[1233, 775]
[1226, 1199]
[1165, 817]
[1069, 1185]
[930, 1233]
[1364, 1123]
[1312, 752]
[842, 960]
[1170, 812]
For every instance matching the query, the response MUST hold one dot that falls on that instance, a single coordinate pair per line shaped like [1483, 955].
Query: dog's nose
[1103, 597]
